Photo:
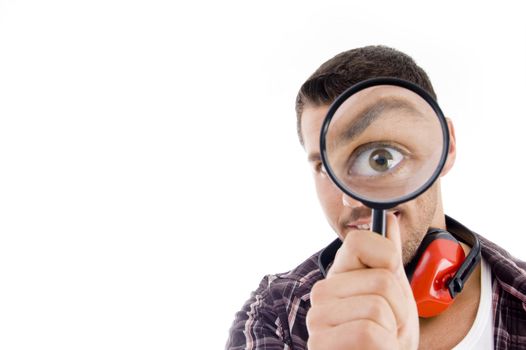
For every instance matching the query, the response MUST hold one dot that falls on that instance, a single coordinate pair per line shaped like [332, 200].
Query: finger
[393, 234]
[372, 281]
[361, 249]
[371, 307]
[357, 334]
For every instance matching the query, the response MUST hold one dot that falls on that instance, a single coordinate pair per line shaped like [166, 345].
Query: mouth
[364, 223]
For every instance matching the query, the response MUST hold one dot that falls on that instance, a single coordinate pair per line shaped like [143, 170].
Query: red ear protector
[439, 269]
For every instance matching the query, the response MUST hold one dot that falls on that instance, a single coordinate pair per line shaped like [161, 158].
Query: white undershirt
[480, 336]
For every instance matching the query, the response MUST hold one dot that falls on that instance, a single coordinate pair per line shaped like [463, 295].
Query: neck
[439, 219]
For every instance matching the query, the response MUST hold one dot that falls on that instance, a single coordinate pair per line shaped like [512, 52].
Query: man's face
[345, 214]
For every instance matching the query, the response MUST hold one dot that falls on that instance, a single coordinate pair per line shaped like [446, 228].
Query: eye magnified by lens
[375, 161]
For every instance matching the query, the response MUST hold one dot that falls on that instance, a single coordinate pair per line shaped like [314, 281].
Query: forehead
[311, 122]
[393, 97]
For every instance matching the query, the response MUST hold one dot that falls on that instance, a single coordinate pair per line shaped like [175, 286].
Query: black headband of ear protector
[460, 232]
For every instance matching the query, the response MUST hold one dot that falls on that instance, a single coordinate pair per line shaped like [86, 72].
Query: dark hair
[350, 67]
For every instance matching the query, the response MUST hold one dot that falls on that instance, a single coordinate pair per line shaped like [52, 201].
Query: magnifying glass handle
[378, 221]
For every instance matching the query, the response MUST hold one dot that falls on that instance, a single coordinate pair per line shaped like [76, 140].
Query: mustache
[356, 214]
[361, 212]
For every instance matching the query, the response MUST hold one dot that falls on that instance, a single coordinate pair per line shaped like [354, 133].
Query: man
[365, 301]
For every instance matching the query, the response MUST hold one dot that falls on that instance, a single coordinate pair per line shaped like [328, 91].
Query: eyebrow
[371, 113]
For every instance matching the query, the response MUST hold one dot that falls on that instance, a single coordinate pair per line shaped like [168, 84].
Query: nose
[350, 202]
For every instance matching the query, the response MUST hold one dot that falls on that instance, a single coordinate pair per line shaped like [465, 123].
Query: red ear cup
[437, 260]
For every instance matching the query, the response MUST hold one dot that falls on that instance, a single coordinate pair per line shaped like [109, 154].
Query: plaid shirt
[274, 316]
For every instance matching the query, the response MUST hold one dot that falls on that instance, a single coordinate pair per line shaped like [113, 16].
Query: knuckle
[379, 300]
[310, 321]
[353, 241]
[393, 262]
[315, 342]
[313, 319]
[318, 292]
[385, 280]
[367, 333]
[376, 308]
[394, 259]
[381, 312]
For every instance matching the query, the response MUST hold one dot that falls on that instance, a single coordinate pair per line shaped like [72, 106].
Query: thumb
[393, 234]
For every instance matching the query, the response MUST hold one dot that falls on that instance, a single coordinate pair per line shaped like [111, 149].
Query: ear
[452, 151]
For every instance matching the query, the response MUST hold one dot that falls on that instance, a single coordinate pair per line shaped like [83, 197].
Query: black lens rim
[364, 85]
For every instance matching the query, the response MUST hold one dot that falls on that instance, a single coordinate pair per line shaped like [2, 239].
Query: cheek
[417, 215]
[427, 202]
[330, 198]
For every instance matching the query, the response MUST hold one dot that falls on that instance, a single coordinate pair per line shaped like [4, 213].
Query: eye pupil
[381, 159]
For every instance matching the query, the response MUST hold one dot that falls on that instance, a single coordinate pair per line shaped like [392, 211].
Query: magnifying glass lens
[384, 144]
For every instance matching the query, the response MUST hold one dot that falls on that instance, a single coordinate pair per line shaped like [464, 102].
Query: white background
[150, 173]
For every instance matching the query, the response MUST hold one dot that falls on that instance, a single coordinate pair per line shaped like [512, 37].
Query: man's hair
[333, 77]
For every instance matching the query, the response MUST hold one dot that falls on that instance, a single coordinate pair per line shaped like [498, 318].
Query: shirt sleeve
[257, 325]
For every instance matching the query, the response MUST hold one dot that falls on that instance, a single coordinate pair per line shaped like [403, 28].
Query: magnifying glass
[383, 142]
